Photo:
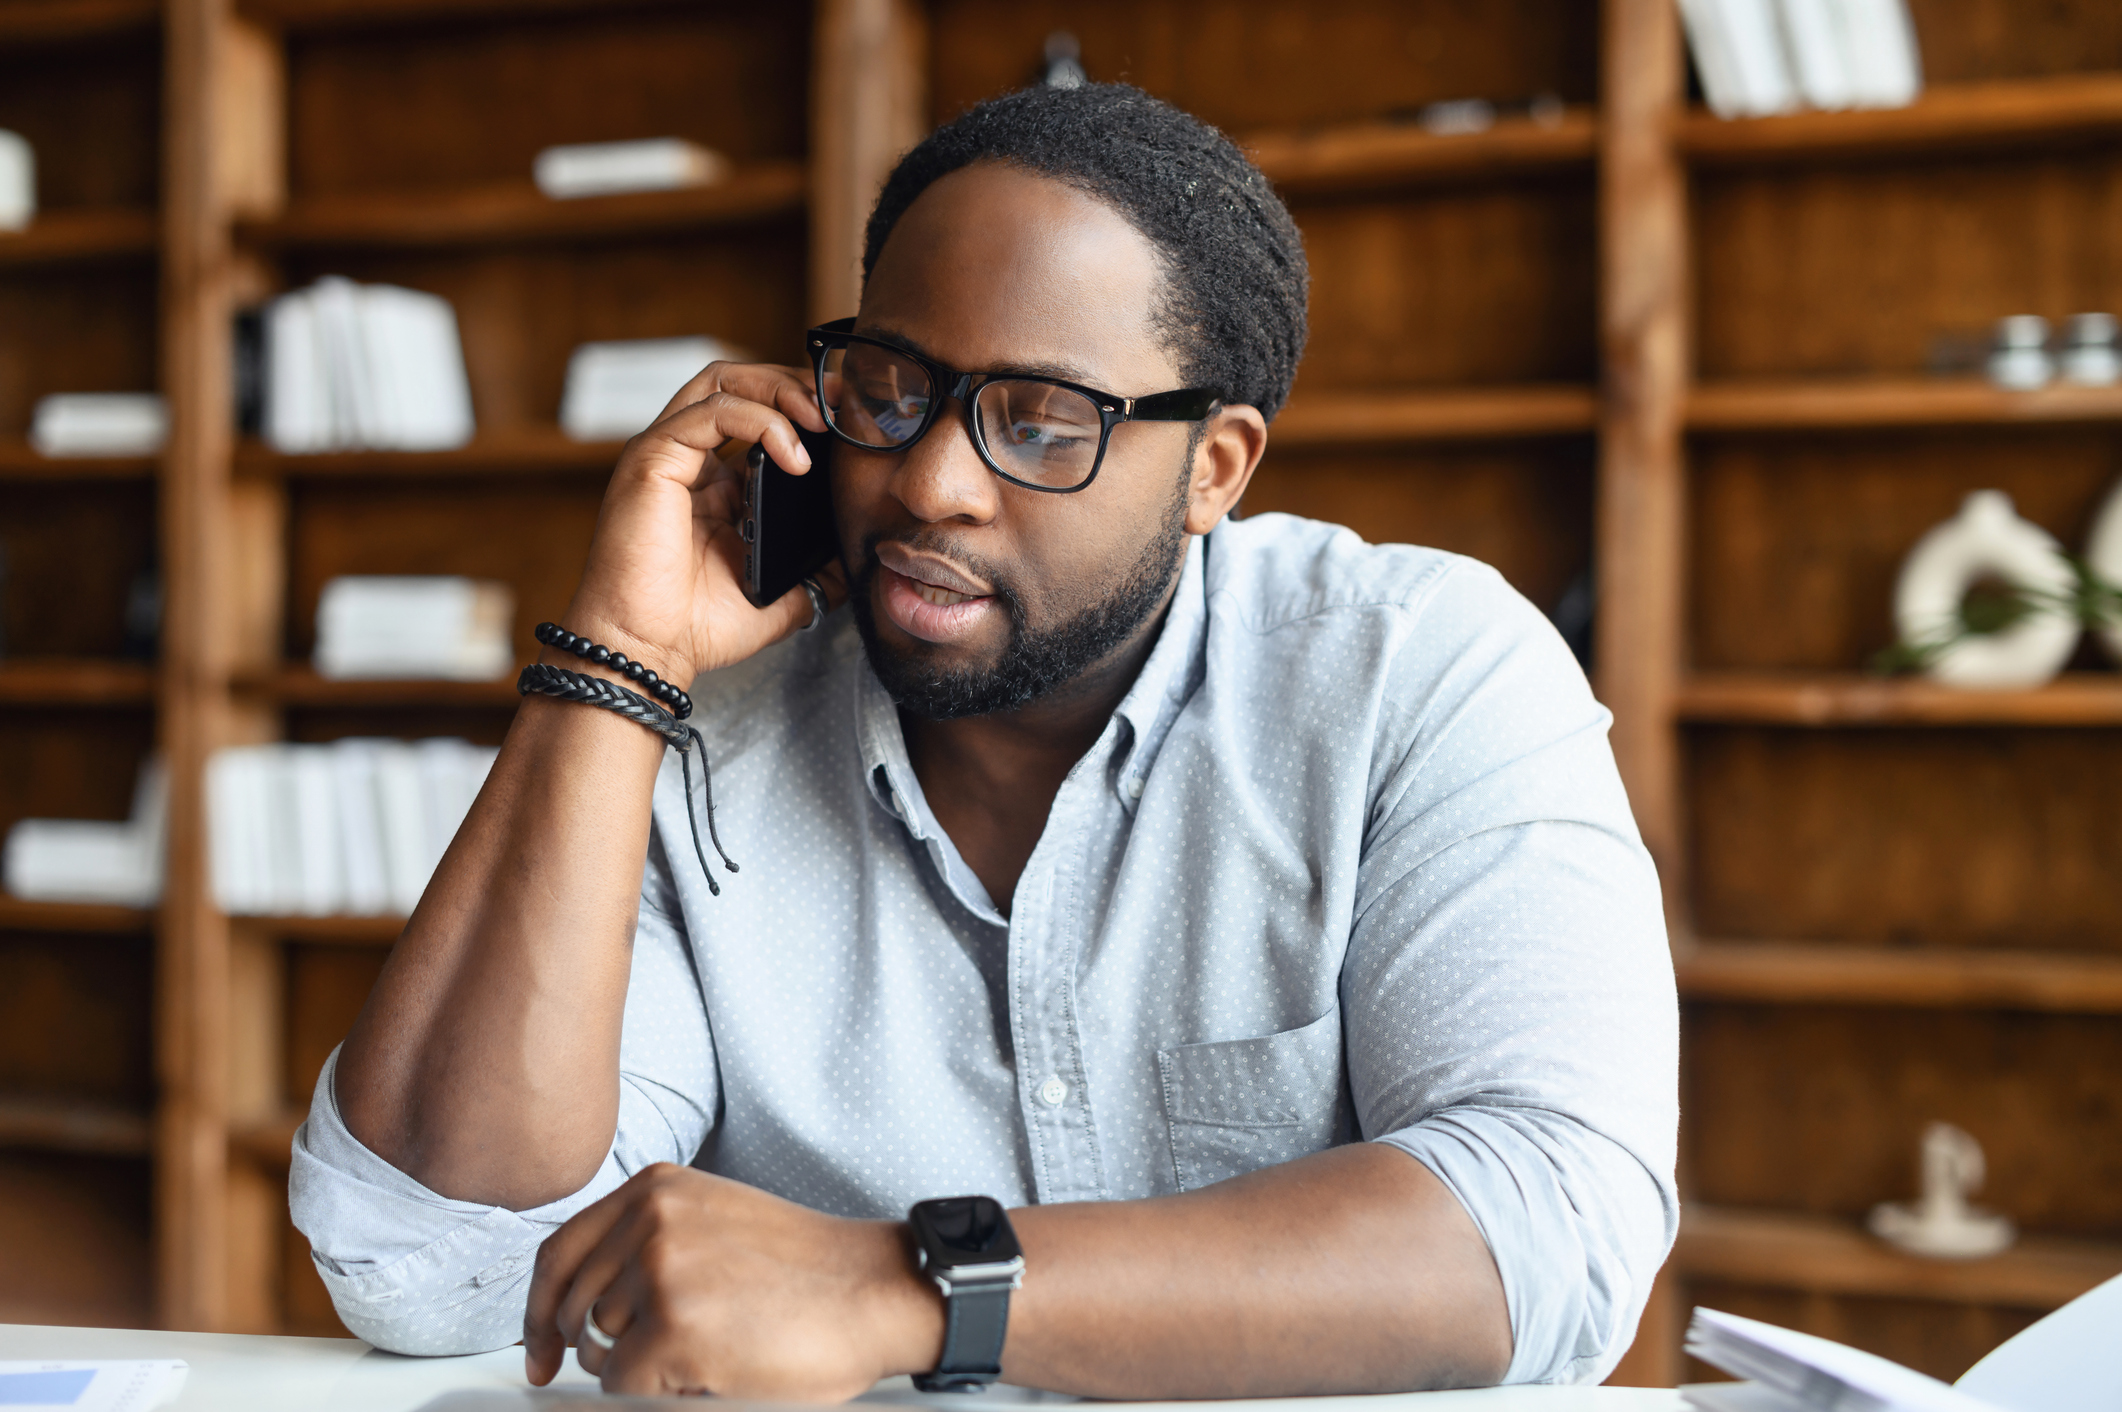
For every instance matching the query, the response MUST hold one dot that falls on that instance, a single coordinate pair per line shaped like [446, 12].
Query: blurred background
[320, 321]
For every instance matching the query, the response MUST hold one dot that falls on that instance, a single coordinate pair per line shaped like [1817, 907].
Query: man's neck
[990, 780]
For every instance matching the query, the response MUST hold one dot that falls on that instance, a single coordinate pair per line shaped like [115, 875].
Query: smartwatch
[965, 1244]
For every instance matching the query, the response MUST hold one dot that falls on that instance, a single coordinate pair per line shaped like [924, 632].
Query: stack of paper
[352, 366]
[80, 860]
[1794, 1372]
[607, 168]
[616, 389]
[99, 424]
[101, 1385]
[402, 626]
[1758, 57]
[356, 827]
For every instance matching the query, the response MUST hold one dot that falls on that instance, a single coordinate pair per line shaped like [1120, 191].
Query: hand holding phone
[788, 520]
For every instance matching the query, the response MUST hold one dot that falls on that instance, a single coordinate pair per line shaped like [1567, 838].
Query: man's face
[975, 595]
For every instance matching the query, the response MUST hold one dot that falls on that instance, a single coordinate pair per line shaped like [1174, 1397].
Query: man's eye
[1041, 434]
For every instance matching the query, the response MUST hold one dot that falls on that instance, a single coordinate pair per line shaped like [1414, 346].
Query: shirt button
[1134, 787]
[1053, 1093]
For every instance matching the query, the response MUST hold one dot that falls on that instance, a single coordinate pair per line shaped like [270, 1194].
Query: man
[1110, 859]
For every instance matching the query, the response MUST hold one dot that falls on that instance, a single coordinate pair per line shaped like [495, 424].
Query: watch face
[965, 1230]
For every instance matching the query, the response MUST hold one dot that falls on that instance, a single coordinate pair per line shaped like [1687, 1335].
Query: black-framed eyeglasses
[1038, 432]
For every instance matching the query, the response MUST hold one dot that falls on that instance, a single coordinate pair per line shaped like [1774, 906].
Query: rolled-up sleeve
[1508, 991]
[413, 1271]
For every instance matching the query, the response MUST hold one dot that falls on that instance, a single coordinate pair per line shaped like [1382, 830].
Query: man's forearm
[1354, 1270]
[485, 1064]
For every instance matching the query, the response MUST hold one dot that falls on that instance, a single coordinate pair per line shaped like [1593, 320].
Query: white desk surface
[251, 1373]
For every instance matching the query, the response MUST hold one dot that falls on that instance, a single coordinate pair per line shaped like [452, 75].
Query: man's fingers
[796, 607]
[788, 389]
[722, 417]
[559, 1258]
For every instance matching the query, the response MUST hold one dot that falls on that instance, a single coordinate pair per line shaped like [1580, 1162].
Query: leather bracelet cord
[563, 685]
[669, 693]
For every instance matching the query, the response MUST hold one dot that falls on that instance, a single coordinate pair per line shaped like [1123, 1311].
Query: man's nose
[941, 476]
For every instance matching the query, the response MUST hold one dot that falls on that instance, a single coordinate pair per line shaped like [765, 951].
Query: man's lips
[932, 571]
[928, 611]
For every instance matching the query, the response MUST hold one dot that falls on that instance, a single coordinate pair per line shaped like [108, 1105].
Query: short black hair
[1235, 275]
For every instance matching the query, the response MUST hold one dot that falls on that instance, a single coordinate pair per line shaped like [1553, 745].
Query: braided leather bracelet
[563, 685]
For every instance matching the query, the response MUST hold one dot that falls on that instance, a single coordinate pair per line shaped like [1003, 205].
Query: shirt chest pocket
[1237, 1105]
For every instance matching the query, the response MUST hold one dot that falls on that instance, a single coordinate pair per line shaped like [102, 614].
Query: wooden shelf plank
[516, 452]
[1331, 418]
[21, 461]
[1822, 404]
[25, 22]
[512, 212]
[72, 682]
[351, 14]
[1953, 118]
[71, 1125]
[295, 684]
[19, 914]
[269, 1142]
[1791, 973]
[1828, 1256]
[92, 233]
[327, 931]
[1360, 155]
[1853, 699]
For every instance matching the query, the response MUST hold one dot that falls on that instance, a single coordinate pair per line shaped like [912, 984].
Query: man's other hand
[711, 1286]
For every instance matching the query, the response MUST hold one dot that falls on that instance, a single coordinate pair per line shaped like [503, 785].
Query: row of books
[1758, 57]
[119, 862]
[353, 828]
[344, 366]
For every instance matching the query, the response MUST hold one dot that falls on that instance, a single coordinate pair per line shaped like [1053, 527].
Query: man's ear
[1223, 466]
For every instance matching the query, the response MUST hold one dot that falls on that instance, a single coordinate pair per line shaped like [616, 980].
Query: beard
[1036, 660]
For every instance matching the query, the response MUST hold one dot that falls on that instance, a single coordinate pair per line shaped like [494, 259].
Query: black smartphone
[788, 520]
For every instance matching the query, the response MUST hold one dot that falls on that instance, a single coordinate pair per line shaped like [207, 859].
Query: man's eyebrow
[1067, 372]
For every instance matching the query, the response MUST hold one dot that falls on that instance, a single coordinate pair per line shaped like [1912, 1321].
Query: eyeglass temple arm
[1188, 404]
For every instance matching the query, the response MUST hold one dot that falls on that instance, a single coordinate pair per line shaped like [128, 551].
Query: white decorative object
[99, 424]
[2019, 358]
[616, 389]
[1986, 540]
[18, 181]
[1940, 1223]
[2103, 555]
[393, 626]
[608, 168]
[2089, 356]
[85, 860]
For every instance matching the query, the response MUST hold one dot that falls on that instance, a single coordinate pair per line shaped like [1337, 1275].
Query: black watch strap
[975, 1324]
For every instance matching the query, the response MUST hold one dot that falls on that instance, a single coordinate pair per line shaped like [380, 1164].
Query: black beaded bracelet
[563, 685]
[669, 693]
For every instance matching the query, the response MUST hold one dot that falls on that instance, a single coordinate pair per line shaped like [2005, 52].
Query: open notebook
[2070, 1361]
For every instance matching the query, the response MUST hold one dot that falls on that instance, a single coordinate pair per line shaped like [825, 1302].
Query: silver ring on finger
[593, 1333]
[818, 606]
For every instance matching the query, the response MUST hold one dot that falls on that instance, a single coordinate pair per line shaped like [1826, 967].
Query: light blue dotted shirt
[1351, 861]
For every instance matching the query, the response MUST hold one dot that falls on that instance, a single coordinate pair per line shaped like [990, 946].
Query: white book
[352, 412]
[414, 626]
[403, 817]
[99, 424]
[414, 370]
[18, 181]
[297, 412]
[1764, 70]
[360, 826]
[614, 390]
[282, 814]
[446, 789]
[321, 858]
[224, 856]
[1812, 34]
[93, 860]
[606, 168]
[1879, 50]
[1709, 39]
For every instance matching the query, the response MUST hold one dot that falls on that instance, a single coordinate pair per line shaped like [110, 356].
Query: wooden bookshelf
[1789, 973]
[268, 1142]
[517, 451]
[62, 683]
[40, 22]
[1948, 118]
[327, 931]
[1856, 403]
[18, 914]
[307, 16]
[516, 212]
[19, 461]
[1328, 419]
[1368, 155]
[294, 684]
[1854, 699]
[1829, 1256]
[66, 236]
[62, 1125]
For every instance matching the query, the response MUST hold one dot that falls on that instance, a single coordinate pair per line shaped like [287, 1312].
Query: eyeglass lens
[1036, 432]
